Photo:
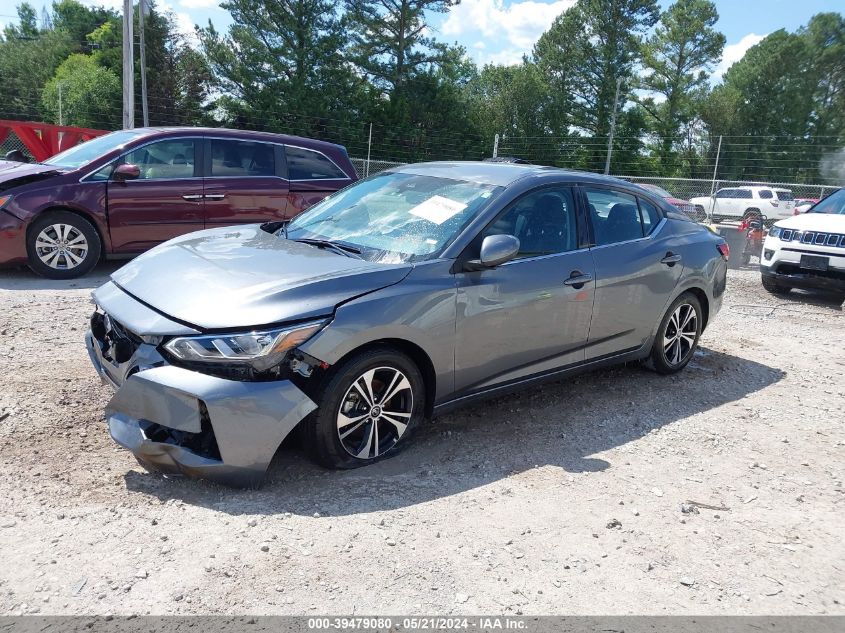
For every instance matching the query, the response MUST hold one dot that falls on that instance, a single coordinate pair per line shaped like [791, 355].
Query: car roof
[242, 134]
[501, 174]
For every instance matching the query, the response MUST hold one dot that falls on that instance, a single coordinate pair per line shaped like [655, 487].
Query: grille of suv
[813, 237]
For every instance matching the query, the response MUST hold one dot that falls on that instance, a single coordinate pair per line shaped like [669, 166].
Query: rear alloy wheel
[677, 336]
[367, 410]
[62, 245]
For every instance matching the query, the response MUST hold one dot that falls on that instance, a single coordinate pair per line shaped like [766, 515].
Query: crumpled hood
[10, 170]
[237, 277]
[826, 222]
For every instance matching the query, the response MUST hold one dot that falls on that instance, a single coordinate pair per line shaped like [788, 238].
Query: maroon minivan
[124, 192]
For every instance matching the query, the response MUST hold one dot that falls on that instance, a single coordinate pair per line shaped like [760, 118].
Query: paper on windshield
[438, 209]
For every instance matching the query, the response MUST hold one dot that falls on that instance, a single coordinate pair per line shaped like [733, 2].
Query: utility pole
[495, 146]
[612, 127]
[142, 9]
[128, 68]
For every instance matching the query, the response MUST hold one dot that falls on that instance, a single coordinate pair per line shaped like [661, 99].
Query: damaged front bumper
[179, 421]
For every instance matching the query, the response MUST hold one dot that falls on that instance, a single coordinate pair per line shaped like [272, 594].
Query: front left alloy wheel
[62, 245]
[367, 409]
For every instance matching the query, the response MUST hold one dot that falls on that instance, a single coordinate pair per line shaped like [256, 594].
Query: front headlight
[261, 349]
[775, 231]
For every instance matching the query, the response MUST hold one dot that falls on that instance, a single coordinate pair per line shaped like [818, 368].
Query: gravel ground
[570, 498]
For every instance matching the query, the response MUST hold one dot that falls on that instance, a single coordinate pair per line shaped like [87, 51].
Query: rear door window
[615, 216]
[765, 194]
[306, 164]
[649, 215]
[243, 159]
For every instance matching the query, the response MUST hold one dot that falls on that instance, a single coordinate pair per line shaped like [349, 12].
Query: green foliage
[86, 93]
[388, 39]
[25, 67]
[584, 53]
[338, 70]
[782, 103]
[280, 65]
[677, 59]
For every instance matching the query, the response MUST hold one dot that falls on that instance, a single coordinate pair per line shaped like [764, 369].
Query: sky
[501, 31]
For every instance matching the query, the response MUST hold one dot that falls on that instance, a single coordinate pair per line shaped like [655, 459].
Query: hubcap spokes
[375, 412]
[61, 246]
[681, 330]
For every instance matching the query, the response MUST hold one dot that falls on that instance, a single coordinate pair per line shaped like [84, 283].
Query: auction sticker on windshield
[438, 209]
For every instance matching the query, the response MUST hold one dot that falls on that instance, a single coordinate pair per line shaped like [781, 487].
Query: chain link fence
[366, 167]
[11, 143]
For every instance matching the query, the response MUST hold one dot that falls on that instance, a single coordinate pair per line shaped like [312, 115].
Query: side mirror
[126, 171]
[495, 250]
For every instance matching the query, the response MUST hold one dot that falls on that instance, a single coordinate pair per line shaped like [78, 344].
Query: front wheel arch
[415, 353]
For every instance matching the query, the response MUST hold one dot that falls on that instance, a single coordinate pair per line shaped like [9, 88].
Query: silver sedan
[413, 291]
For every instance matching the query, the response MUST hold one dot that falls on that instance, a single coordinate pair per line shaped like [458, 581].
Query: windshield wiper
[338, 247]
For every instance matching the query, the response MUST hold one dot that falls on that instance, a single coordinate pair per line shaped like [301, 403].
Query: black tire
[664, 361]
[774, 287]
[322, 432]
[65, 265]
[751, 211]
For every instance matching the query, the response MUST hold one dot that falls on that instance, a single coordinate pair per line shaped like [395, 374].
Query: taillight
[725, 250]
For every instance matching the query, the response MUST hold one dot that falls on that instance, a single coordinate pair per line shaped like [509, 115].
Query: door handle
[577, 279]
[193, 197]
[671, 259]
[215, 196]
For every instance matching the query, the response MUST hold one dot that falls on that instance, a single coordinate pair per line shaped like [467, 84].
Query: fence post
[716, 166]
[821, 192]
[369, 147]
[495, 146]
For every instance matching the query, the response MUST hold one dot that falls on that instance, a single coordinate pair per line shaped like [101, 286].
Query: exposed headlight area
[253, 355]
[775, 231]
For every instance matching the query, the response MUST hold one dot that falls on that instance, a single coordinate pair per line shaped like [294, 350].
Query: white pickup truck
[738, 202]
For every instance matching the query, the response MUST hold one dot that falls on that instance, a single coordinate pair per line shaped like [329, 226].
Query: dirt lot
[564, 499]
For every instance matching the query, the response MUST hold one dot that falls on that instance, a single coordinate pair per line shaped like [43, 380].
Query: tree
[280, 64]
[25, 66]
[583, 54]
[677, 60]
[90, 94]
[27, 26]
[765, 95]
[77, 20]
[388, 39]
[588, 48]
[513, 101]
